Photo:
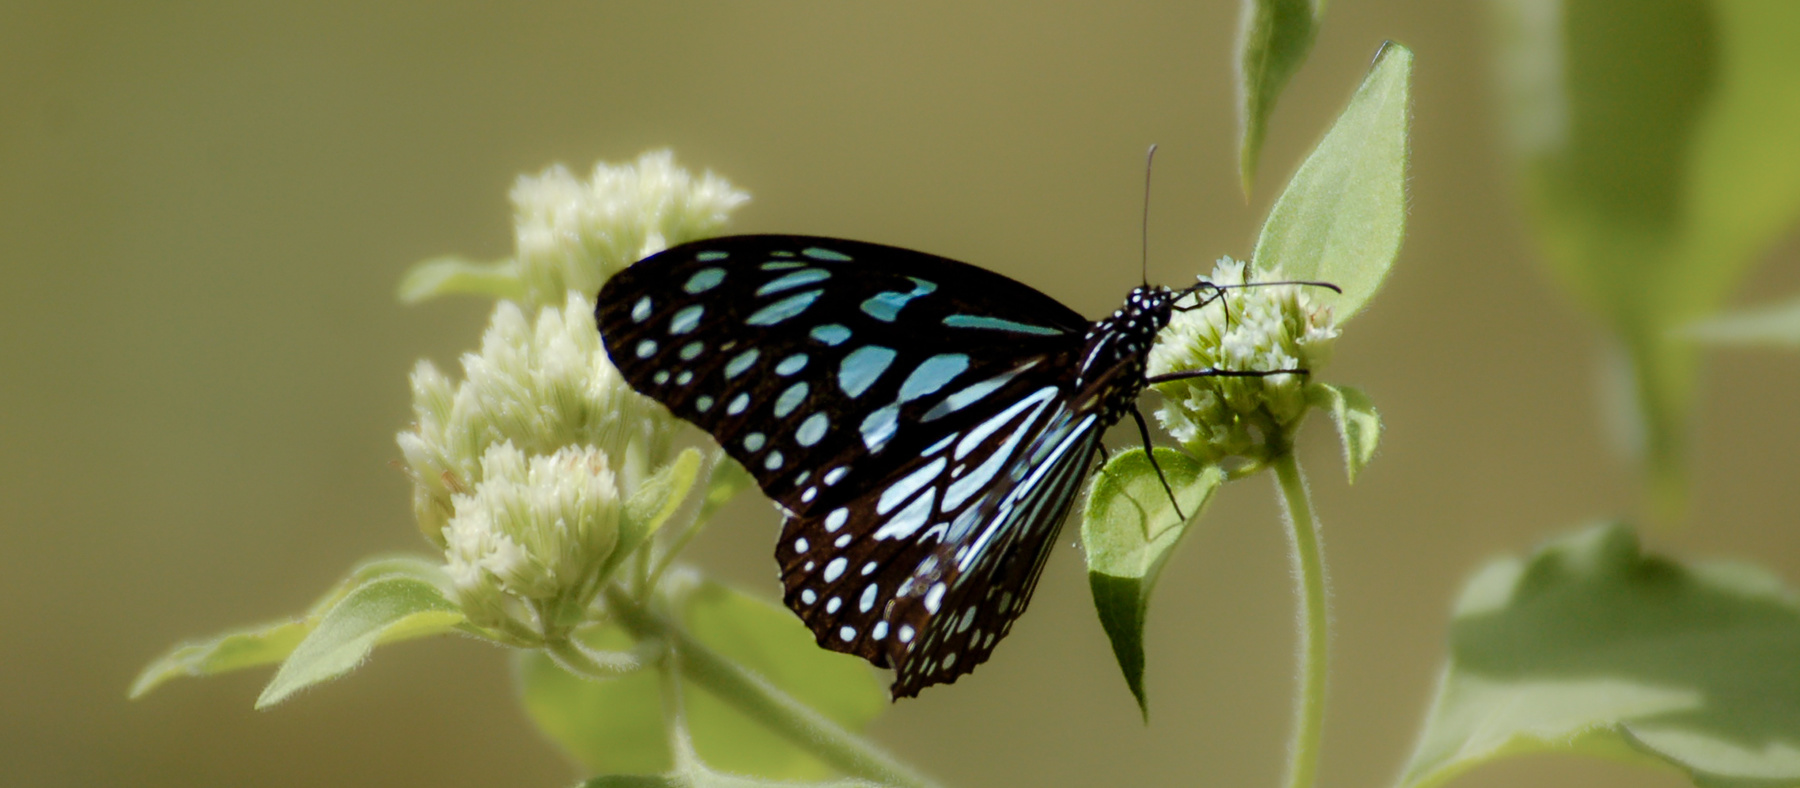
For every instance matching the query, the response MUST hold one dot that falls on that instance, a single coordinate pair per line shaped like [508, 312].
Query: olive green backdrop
[204, 210]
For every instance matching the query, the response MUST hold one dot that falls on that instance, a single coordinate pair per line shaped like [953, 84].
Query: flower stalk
[1313, 646]
[762, 701]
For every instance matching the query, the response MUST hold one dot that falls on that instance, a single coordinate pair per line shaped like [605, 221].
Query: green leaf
[1273, 39]
[768, 639]
[1775, 325]
[636, 781]
[452, 275]
[612, 725]
[1590, 647]
[272, 642]
[1342, 217]
[699, 776]
[383, 610]
[1655, 148]
[653, 503]
[615, 725]
[1358, 424]
[1129, 530]
[728, 479]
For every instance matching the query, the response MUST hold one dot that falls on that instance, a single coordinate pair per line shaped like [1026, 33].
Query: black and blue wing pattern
[924, 424]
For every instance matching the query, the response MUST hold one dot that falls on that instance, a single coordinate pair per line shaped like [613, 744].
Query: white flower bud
[538, 386]
[531, 540]
[1250, 329]
[573, 235]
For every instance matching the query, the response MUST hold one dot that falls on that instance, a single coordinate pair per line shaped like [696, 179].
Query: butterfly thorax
[1117, 348]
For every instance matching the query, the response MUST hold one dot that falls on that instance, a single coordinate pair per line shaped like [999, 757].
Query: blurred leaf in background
[1655, 151]
[1273, 39]
[1774, 325]
[1592, 647]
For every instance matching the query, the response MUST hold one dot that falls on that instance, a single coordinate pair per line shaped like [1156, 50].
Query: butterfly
[923, 424]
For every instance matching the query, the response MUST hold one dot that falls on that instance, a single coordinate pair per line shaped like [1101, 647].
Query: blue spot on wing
[812, 429]
[686, 319]
[879, 427]
[790, 399]
[932, 375]
[783, 309]
[741, 362]
[885, 306]
[805, 276]
[999, 324]
[703, 280]
[858, 371]
[831, 334]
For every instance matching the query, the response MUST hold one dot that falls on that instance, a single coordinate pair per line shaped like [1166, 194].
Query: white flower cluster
[536, 533]
[538, 387]
[521, 467]
[1247, 328]
[572, 235]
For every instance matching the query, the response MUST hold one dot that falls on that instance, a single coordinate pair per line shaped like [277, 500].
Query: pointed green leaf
[1775, 325]
[1273, 39]
[1358, 424]
[1342, 217]
[615, 725]
[1128, 530]
[269, 643]
[1590, 647]
[1654, 139]
[444, 276]
[653, 503]
[384, 610]
[728, 479]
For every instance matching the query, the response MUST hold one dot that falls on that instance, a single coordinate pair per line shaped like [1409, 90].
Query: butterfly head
[1118, 347]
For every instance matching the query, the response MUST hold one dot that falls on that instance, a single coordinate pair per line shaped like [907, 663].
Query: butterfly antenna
[1144, 244]
[1149, 451]
[1299, 282]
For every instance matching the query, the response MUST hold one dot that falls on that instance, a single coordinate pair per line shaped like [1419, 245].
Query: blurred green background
[204, 210]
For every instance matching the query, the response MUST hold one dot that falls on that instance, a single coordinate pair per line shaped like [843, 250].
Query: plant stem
[580, 660]
[763, 702]
[1314, 621]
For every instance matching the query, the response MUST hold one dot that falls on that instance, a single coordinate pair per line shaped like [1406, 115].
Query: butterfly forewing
[814, 358]
[925, 424]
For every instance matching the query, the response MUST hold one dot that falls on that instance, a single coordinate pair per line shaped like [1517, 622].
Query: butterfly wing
[912, 414]
[822, 365]
[927, 577]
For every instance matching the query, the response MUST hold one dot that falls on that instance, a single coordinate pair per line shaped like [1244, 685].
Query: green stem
[1315, 621]
[763, 702]
[580, 660]
[695, 517]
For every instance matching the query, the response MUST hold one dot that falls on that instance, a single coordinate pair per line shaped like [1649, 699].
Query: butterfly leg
[1152, 380]
[1150, 451]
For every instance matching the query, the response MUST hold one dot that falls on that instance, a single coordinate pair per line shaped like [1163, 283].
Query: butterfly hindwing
[928, 583]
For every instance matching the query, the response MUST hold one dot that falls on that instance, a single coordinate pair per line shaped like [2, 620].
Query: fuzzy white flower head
[533, 541]
[573, 234]
[537, 386]
[1249, 328]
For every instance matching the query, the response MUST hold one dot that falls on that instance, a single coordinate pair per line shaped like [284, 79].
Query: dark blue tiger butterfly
[924, 424]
